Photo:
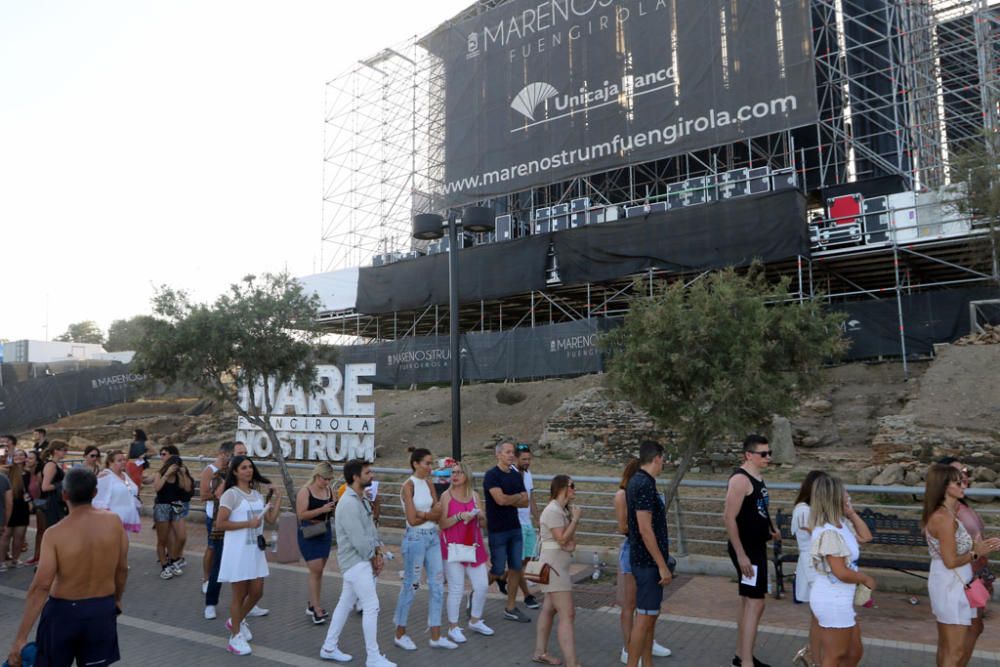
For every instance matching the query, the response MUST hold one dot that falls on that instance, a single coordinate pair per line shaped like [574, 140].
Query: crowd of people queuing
[452, 534]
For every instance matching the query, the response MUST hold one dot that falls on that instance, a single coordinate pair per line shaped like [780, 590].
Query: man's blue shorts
[82, 630]
[648, 591]
[506, 548]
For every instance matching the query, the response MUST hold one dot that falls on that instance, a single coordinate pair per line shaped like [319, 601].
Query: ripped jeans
[421, 546]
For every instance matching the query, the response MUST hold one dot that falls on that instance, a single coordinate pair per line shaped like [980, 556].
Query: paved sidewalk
[163, 625]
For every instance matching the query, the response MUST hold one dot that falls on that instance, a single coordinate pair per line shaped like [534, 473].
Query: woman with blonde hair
[462, 522]
[952, 551]
[836, 531]
[116, 492]
[314, 505]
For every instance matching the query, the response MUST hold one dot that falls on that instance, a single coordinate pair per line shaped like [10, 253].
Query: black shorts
[758, 556]
[648, 591]
[82, 630]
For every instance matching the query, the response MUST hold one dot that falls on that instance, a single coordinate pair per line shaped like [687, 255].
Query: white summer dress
[805, 573]
[120, 496]
[241, 559]
[947, 586]
[830, 599]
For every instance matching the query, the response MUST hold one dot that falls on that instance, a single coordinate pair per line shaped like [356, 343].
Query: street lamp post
[430, 226]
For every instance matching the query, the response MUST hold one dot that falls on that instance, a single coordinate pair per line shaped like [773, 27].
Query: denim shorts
[506, 548]
[163, 512]
[624, 565]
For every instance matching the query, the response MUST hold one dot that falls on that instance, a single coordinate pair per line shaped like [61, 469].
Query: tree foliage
[255, 339]
[720, 356]
[127, 334]
[82, 332]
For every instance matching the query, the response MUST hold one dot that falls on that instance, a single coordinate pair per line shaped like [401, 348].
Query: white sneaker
[244, 629]
[238, 645]
[210, 612]
[258, 611]
[481, 627]
[660, 651]
[334, 654]
[624, 657]
[175, 569]
[204, 587]
[404, 643]
[443, 642]
[456, 635]
[379, 661]
[166, 572]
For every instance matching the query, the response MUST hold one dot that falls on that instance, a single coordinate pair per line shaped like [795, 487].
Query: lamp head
[478, 219]
[428, 226]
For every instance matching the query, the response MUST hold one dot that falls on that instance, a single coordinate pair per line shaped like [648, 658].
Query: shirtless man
[79, 582]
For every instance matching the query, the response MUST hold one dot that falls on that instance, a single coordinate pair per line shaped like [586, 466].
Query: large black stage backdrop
[769, 227]
[571, 348]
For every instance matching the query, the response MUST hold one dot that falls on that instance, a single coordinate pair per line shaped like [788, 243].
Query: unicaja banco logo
[526, 102]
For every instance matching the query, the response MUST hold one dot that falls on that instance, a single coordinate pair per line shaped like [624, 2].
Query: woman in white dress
[836, 530]
[805, 573]
[242, 512]
[952, 552]
[117, 493]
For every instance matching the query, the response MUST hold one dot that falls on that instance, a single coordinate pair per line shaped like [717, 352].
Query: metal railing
[695, 515]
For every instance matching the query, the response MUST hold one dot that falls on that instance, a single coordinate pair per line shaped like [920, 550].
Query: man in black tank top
[749, 526]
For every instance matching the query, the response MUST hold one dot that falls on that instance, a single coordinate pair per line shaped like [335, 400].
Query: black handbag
[313, 530]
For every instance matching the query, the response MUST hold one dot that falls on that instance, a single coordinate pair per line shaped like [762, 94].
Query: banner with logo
[45, 399]
[552, 350]
[537, 91]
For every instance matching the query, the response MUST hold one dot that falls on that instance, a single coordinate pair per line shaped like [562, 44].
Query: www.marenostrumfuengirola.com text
[666, 136]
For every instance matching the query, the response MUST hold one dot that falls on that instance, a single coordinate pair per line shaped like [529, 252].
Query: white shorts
[832, 603]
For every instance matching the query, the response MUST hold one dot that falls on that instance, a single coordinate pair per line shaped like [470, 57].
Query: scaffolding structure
[902, 87]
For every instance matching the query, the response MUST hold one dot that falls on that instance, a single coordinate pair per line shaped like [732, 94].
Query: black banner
[541, 90]
[544, 351]
[770, 227]
[941, 316]
[43, 400]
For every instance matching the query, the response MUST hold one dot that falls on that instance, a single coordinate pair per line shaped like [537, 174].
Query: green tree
[720, 356]
[83, 332]
[255, 339]
[975, 175]
[127, 334]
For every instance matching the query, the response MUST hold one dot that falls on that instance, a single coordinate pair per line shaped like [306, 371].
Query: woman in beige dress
[558, 542]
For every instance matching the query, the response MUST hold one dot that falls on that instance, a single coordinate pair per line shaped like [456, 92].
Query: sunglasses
[92, 455]
[572, 485]
[766, 453]
[523, 448]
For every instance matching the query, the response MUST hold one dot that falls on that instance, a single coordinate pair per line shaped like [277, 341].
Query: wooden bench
[889, 530]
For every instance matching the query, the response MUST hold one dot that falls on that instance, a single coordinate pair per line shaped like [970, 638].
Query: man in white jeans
[359, 555]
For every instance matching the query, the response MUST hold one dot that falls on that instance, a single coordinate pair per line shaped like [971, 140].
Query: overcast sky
[171, 142]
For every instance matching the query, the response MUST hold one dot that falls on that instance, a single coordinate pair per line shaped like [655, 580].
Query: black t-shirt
[754, 518]
[641, 496]
[499, 518]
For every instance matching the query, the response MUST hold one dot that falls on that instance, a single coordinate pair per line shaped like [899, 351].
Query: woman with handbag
[836, 531]
[174, 486]
[952, 588]
[241, 516]
[557, 533]
[314, 505]
[52, 476]
[421, 546]
[117, 493]
[462, 548]
[976, 527]
[805, 573]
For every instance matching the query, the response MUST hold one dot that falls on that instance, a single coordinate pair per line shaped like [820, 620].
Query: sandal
[545, 659]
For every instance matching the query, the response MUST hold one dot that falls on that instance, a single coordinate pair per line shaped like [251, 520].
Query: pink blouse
[463, 533]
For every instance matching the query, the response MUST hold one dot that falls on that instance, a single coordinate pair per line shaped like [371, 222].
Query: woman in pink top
[461, 523]
[974, 525]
